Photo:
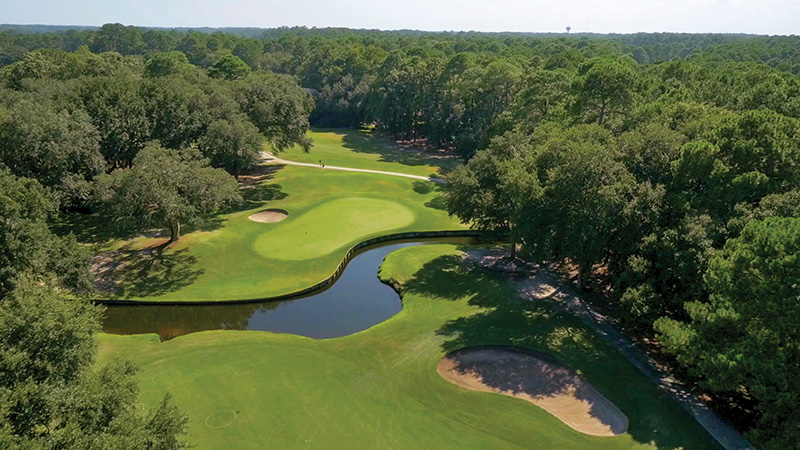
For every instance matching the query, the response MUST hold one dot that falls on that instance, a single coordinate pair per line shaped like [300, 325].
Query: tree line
[147, 144]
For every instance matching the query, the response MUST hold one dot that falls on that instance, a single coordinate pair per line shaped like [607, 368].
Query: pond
[356, 301]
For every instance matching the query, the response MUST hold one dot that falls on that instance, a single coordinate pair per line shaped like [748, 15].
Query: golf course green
[380, 388]
[313, 234]
[231, 257]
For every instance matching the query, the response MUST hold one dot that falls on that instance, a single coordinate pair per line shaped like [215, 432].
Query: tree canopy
[51, 396]
[165, 188]
[746, 334]
[27, 246]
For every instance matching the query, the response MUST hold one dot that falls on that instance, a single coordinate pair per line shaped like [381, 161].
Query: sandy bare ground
[269, 216]
[539, 380]
[272, 159]
[104, 267]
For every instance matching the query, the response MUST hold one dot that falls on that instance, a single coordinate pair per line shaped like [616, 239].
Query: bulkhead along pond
[356, 301]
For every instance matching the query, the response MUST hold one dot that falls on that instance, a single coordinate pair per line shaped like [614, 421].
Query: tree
[60, 149]
[168, 63]
[739, 160]
[277, 107]
[542, 94]
[229, 67]
[746, 335]
[119, 112]
[589, 199]
[165, 188]
[115, 37]
[492, 191]
[26, 243]
[178, 110]
[51, 394]
[604, 88]
[234, 144]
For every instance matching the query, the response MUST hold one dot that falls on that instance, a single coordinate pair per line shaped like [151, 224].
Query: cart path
[272, 159]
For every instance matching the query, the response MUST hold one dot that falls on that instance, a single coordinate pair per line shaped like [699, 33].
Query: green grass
[229, 257]
[236, 258]
[380, 389]
[363, 150]
[330, 226]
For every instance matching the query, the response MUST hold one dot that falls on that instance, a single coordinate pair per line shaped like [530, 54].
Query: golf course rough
[379, 388]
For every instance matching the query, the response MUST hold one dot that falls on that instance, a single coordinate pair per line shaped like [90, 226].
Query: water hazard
[355, 302]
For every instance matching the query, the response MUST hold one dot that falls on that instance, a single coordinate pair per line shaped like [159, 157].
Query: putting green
[330, 226]
[380, 388]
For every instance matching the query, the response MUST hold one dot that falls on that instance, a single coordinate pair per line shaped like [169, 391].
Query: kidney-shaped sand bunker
[269, 216]
[539, 379]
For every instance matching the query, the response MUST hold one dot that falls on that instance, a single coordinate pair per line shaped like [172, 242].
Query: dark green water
[355, 302]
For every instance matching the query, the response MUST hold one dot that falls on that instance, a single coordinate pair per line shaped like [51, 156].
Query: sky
[608, 16]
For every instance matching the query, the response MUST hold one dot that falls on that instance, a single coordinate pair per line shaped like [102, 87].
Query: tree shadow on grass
[256, 191]
[437, 203]
[88, 228]
[505, 319]
[152, 272]
[361, 141]
[426, 187]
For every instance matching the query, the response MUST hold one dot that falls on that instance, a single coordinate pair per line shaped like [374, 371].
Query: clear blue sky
[620, 16]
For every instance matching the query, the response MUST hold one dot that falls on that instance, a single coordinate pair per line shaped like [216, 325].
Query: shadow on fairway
[506, 320]
[153, 272]
[437, 202]
[255, 189]
[87, 228]
[423, 188]
[364, 142]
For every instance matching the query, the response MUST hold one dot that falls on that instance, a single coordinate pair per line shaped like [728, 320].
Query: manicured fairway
[363, 150]
[380, 388]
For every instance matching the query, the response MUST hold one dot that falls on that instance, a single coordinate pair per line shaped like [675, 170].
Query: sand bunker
[269, 216]
[538, 379]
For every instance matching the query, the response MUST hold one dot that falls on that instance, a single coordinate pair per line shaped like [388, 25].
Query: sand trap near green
[539, 380]
[330, 226]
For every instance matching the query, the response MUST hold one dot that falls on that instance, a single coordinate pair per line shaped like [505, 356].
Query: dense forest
[664, 169]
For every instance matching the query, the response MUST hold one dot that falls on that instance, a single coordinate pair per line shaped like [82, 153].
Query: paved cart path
[272, 159]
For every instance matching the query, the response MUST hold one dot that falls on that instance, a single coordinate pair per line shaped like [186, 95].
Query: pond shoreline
[318, 287]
